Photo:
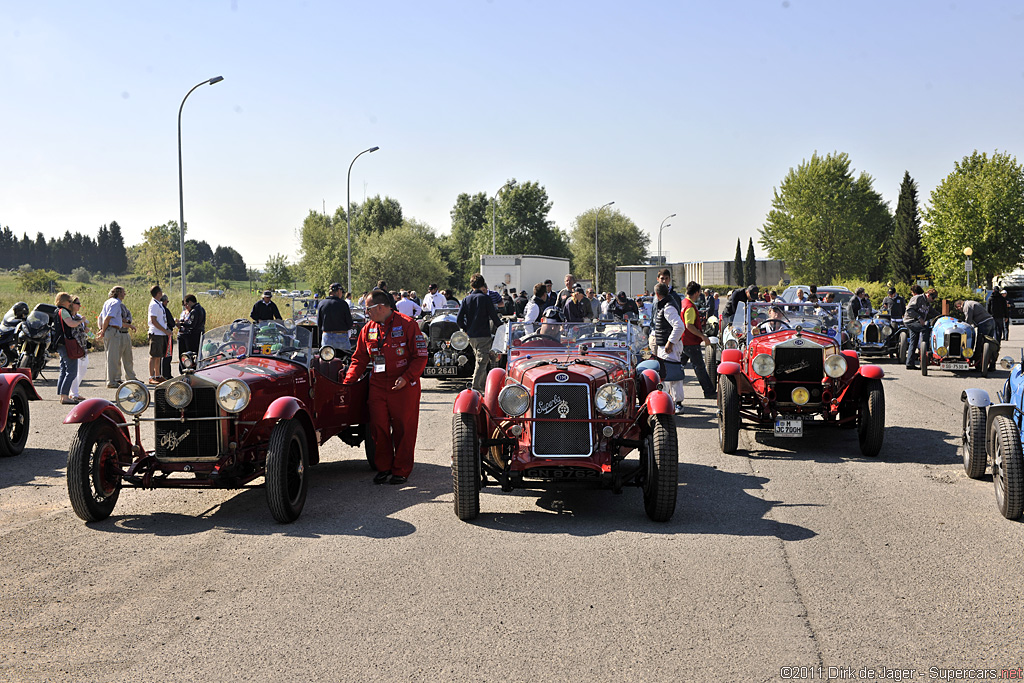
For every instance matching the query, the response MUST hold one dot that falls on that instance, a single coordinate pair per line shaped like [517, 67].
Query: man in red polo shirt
[693, 335]
[395, 350]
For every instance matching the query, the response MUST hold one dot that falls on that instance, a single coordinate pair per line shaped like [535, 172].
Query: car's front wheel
[871, 420]
[972, 441]
[903, 347]
[287, 470]
[465, 466]
[94, 473]
[985, 358]
[1008, 469]
[711, 363]
[924, 358]
[728, 414]
[15, 435]
[661, 481]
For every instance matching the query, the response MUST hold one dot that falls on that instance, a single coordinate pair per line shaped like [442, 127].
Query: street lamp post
[181, 191]
[510, 184]
[348, 214]
[663, 226]
[596, 216]
[968, 265]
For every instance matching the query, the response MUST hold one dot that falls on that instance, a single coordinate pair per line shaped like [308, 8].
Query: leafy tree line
[104, 254]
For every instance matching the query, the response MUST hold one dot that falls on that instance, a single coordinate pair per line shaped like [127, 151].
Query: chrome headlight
[854, 328]
[132, 397]
[610, 399]
[233, 395]
[763, 365]
[731, 344]
[514, 399]
[835, 365]
[887, 330]
[327, 353]
[178, 394]
[460, 340]
[462, 359]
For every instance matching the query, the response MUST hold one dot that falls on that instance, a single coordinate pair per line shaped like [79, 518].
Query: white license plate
[955, 366]
[789, 428]
[442, 370]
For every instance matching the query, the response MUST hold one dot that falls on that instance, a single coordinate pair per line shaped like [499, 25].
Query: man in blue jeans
[334, 319]
[916, 318]
[474, 319]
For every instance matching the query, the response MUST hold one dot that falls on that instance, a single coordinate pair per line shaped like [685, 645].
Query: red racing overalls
[395, 348]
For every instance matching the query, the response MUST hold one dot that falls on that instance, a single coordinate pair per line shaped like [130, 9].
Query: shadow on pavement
[900, 445]
[33, 463]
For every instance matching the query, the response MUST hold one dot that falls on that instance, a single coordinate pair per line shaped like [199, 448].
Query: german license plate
[440, 371]
[955, 366]
[789, 428]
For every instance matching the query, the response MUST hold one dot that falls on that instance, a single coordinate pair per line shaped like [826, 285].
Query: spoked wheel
[370, 448]
[661, 480]
[972, 441]
[94, 473]
[924, 359]
[287, 468]
[465, 466]
[711, 363]
[1008, 469]
[728, 414]
[871, 419]
[15, 435]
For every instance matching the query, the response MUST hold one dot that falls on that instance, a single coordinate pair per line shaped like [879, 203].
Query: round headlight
[233, 395]
[854, 327]
[835, 365]
[289, 324]
[178, 394]
[188, 360]
[132, 397]
[731, 344]
[462, 359]
[942, 351]
[968, 352]
[887, 330]
[610, 399]
[514, 399]
[327, 353]
[763, 364]
[460, 340]
[800, 396]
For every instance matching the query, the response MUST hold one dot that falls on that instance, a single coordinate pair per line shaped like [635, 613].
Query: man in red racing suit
[392, 345]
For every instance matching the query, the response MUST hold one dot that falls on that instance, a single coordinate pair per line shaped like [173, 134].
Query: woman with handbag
[80, 335]
[68, 348]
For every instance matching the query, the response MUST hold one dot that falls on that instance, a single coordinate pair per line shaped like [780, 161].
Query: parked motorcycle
[9, 333]
[34, 334]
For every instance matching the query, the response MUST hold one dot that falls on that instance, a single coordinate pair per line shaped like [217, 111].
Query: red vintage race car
[788, 377]
[257, 401]
[16, 391]
[567, 410]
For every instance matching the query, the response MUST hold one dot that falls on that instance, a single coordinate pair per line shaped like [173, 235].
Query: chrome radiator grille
[562, 438]
[188, 439]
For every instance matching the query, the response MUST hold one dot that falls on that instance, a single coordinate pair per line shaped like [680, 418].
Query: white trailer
[633, 280]
[523, 271]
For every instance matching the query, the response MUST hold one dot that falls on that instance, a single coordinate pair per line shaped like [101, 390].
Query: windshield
[37, 319]
[448, 309]
[613, 337]
[274, 338]
[762, 318]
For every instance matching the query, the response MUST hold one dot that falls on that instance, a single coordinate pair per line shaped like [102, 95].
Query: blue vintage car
[992, 436]
[954, 345]
[879, 335]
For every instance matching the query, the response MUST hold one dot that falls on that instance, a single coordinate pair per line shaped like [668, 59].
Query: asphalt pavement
[791, 553]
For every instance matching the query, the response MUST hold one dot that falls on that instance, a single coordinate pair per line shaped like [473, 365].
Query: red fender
[871, 372]
[468, 401]
[92, 409]
[495, 382]
[852, 364]
[290, 408]
[660, 403]
[732, 356]
[651, 381]
[727, 367]
[283, 408]
[8, 381]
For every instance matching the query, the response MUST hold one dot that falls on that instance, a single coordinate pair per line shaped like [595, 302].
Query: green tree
[523, 226]
[375, 215]
[750, 265]
[277, 272]
[40, 280]
[403, 256]
[459, 250]
[737, 265]
[824, 223]
[158, 255]
[906, 257]
[323, 250]
[979, 205]
[619, 243]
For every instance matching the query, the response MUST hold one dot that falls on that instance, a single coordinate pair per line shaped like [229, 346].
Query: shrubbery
[40, 280]
[81, 275]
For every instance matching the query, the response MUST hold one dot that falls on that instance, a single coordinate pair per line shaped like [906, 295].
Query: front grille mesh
[954, 344]
[807, 365]
[190, 439]
[561, 437]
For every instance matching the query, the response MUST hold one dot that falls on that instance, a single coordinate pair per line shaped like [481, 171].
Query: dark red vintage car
[788, 376]
[567, 410]
[258, 401]
[16, 391]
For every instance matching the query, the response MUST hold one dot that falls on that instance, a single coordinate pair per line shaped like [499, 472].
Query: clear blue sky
[694, 108]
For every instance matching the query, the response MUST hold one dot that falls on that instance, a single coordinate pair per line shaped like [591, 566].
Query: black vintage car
[449, 353]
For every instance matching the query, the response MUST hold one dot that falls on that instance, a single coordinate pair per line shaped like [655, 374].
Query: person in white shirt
[115, 325]
[434, 299]
[536, 304]
[158, 335]
[666, 336]
[407, 306]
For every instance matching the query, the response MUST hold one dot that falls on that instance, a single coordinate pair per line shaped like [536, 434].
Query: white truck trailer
[523, 271]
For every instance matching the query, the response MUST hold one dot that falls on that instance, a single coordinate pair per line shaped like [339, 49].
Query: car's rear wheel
[465, 466]
[871, 419]
[924, 358]
[370, 447]
[1008, 469]
[661, 480]
[985, 358]
[287, 470]
[14, 437]
[728, 414]
[94, 473]
[972, 441]
[711, 363]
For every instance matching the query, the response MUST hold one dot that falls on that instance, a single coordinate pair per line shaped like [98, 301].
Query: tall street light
[968, 264]
[348, 213]
[510, 184]
[181, 192]
[663, 226]
[596, 216]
